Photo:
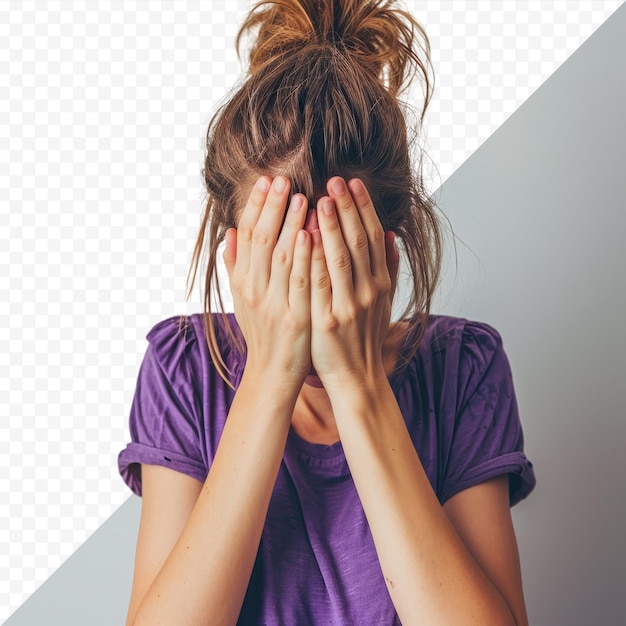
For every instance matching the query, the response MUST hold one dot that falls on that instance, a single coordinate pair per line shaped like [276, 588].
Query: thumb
[393, 260]
[230, 250]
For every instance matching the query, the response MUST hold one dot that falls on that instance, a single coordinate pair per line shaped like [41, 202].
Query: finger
[336, 253]
[352, 228]
[230, 251]
[372, 226]
[321, 293]
[393, 261]
[283, 254]
[265, 233]
[300, 278]
[248, 220]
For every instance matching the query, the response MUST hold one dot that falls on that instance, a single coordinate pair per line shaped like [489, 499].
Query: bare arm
[205, 577]
[168, 497]
[431, 575]
[481, 515]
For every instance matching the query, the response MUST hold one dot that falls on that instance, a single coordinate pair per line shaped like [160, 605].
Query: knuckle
[249, 295]
[260, 237]
[359, 241]
[322, 281]
[245, 231]
[280, 256]
[248, 300]
[328, 324]
[341, 260]
[298, 281]
[383, 284]
[369, 297]
[377, 234]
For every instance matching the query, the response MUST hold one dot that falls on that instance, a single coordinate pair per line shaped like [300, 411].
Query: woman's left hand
[353, 273]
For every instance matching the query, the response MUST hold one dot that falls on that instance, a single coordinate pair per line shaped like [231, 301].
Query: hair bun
[385, 40]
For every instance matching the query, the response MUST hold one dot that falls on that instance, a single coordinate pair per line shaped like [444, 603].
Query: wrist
[278, 364]
[365, 411]
[276, 384]
[357, 387]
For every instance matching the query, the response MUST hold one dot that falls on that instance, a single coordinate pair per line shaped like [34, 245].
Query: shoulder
[171, 338]
[454, 355]
[471, 349]
[183, 338]
[453, 339]
[445, 332]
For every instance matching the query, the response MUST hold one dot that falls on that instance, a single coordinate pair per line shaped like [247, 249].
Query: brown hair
[320, 99]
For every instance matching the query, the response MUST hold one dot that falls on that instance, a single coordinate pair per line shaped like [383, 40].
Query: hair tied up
[386, 41]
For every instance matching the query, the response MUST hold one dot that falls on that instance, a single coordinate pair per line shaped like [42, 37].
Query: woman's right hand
[268, 269]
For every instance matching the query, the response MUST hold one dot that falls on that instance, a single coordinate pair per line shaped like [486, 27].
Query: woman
[306, 460]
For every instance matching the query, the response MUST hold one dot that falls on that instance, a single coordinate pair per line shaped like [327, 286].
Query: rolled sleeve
[487, 439]
[164, 421]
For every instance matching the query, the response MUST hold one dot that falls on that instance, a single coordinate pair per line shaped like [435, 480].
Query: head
[320, 99]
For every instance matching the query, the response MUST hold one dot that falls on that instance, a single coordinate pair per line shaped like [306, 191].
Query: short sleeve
[164, 422]
[487, 439]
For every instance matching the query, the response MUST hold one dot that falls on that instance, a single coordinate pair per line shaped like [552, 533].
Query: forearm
[205, 578]
[431, 576]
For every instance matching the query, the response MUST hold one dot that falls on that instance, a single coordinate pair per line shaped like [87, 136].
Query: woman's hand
[353, 272]
[269, 273]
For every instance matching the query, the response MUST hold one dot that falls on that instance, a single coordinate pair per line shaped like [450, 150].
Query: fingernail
[280, 184]
[296, 203]
[263, 184]
[356, 186]
[327, 207]
[339, 186]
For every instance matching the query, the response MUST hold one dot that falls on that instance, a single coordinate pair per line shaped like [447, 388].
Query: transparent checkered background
[104, 106]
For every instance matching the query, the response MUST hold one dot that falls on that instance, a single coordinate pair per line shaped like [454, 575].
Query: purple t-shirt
[317, 563]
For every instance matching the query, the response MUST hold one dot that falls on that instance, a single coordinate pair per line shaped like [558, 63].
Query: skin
[313, 301]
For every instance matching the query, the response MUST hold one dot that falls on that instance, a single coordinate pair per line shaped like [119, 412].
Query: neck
[313, 419]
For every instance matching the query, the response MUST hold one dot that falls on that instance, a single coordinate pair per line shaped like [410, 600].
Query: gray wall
[540, 209]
